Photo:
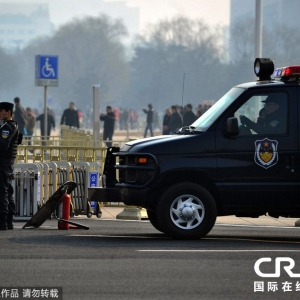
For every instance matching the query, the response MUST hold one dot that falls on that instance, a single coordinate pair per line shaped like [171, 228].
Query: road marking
[249, 240]
[171, 250]
[164, 237]
[121, 236]
[258, 226]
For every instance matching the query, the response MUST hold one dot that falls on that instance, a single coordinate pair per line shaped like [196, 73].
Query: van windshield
[212, 114]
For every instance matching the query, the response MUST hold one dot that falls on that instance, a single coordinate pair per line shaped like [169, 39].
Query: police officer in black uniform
[272, 118]
[9, 140]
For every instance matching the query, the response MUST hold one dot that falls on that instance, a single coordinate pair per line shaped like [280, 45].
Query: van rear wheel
[186, 211]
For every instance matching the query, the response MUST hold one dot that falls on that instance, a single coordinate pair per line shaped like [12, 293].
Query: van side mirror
[232, 127]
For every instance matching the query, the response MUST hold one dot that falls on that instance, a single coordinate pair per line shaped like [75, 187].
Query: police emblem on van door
[5, 134]
[266, 154]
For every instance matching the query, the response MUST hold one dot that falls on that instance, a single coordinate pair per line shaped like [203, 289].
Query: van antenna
[182, 88]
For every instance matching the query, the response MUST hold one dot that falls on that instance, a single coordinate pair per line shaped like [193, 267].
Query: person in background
[189, 117]
[80, 117]
[125, 117]
[180, 110]
[9, 140]
[175, 120]
[70, 116]
[131, 118]
[199, 110]
[20, 115]
[109, 125]
[205, 108]
[166, 121]
[116, 111]
[156, 122]
[149, 120]
[198, 114]
[136, 119]
[30, 124]
[50, 124]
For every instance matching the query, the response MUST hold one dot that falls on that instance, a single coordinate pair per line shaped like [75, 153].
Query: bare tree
[90, 51]
[9, 74]
[168, 50]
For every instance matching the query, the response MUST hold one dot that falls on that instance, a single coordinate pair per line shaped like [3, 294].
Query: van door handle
[290, 162]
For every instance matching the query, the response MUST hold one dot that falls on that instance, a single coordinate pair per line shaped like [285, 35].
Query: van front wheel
[153, 219]
[186, 211]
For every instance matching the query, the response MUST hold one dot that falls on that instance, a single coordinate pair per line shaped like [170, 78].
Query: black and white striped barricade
[27, 189]
[85, 174]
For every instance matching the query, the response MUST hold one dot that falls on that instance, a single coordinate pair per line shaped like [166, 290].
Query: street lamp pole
[258, 28]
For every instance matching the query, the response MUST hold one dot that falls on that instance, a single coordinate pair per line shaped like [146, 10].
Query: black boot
[2, 223]
[10, 224]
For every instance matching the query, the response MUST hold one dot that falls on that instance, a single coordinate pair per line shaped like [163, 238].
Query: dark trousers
[148, 127]
[7, 204]
[107, 135]
[29, 137]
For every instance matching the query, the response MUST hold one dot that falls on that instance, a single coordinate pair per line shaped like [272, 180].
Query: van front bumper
[127, 196]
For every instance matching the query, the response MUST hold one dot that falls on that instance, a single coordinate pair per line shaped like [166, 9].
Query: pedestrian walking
[30, 124]
[9, 140]
[149, 120]
[70, 116]
[109, 125]
[166, 121]
[175, 120]
[50, 124]
[189, 117]
[20, 115]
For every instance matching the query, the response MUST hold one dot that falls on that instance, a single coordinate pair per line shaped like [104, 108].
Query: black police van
[241, 157]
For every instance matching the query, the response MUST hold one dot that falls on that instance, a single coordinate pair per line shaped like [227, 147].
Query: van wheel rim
[187, 212]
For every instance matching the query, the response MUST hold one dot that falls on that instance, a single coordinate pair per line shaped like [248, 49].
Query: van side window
[263, 114]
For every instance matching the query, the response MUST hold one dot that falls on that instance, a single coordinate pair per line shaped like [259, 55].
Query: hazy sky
[212, 12]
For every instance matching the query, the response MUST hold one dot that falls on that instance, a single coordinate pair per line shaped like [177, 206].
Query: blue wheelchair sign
[94, 179]
[46, 70]
[48, 67]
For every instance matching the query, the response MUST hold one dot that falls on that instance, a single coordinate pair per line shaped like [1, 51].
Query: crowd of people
[173, 119]
[177, 116]
[27, 119]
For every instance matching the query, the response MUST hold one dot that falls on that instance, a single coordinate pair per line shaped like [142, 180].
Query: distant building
[20, 23]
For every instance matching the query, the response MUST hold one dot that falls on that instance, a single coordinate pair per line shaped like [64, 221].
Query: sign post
[96, 109]
[46, 74]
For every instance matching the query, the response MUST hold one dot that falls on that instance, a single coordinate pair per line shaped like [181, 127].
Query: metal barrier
[85, 174]
[27, 190]
[72, 145]
[35, 183]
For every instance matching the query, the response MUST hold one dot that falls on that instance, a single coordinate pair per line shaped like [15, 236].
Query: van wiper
[183, 130]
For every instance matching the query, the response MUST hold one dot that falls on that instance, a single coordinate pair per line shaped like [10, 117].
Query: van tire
[152, 216]
[186, 211]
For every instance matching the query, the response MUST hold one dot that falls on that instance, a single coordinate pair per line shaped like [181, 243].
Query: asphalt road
[117, 259]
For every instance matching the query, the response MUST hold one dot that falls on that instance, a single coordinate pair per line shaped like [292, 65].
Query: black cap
[275, 98]
[7, 106]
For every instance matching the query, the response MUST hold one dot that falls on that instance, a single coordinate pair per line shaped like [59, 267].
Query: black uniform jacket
[9, 139]
[271, 123]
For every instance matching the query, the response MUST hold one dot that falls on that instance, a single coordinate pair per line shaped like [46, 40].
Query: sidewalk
[112, 212]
